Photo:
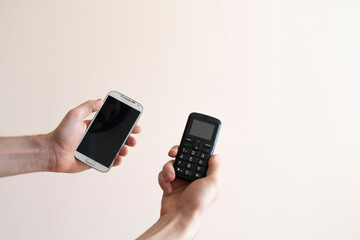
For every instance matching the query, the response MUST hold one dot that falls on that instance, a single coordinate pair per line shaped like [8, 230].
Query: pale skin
[183, 205]
[53, 152]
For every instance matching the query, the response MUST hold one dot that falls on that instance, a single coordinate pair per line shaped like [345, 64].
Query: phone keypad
[192, 158]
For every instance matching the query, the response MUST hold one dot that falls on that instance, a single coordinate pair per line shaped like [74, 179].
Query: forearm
[173, 226]
[24, 155]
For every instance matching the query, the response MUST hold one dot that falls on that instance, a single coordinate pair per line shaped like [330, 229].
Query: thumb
[86, 108]
[214, 169]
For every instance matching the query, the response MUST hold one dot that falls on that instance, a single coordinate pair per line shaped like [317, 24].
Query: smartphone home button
[89, 161]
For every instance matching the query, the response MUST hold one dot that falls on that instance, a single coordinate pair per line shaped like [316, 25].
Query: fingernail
[99, 99]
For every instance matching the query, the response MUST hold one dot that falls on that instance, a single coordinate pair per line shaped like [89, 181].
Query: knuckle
[215, 183]
[73, 112]
[161, 178]
[168, 166]
[160, 175]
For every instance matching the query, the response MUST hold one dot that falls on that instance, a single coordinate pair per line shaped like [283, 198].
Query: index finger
[173, 151]
[166, 176]
[136, 130]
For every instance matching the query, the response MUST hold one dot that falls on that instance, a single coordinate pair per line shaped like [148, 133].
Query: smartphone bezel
[93, 163]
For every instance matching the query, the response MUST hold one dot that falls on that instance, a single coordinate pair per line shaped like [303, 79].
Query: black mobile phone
[196, 147]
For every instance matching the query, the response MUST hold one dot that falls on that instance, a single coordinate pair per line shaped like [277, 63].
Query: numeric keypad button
[200, 169]
[190, 166]
[184, 157]
[199, 175]
[181, 163]
[180, 170]
[185, 150]
[202, 162]
[194, 153]
[189, 173]
[193, 159]
[204, 156]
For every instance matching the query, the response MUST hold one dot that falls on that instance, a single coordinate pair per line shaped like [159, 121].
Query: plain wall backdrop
[283, 77]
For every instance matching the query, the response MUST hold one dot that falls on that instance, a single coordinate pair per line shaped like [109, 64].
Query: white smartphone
[108, 131]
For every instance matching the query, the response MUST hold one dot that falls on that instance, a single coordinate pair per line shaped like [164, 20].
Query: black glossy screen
[108, 131]
[202, 129]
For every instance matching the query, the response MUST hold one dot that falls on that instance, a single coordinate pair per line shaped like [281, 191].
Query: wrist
[174, 226]
[40, 153]
[48, 152]
[187, 225]
[25, 154]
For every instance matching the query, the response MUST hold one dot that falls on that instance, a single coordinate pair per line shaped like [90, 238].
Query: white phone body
[93, 162]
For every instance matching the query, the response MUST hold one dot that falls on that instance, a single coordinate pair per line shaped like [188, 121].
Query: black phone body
[196, 146]
[108, 131]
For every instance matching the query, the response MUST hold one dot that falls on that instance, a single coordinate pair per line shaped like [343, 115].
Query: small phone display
[202, 129]
[196, 147]
[108, 131]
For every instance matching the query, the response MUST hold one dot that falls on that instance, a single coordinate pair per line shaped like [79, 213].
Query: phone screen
[202, 129]
[108, 131]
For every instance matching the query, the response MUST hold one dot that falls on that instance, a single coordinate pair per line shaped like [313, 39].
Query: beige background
[283, 76]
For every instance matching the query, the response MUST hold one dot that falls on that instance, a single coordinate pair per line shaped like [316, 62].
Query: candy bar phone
[196, 147]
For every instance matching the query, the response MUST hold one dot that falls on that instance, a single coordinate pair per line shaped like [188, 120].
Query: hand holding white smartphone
[108, 131]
